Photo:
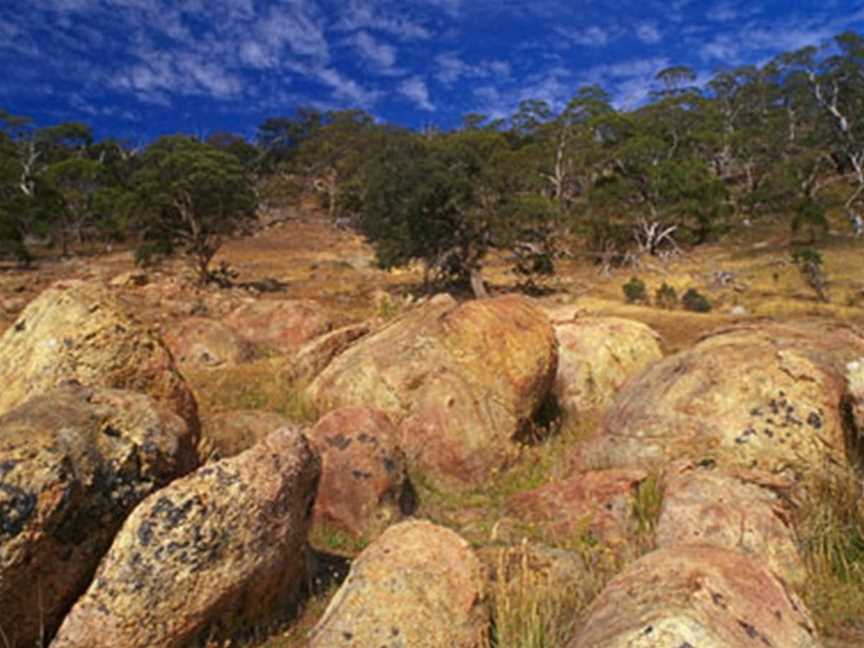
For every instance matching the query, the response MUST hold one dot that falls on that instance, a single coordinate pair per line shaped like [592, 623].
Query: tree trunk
[478, 287]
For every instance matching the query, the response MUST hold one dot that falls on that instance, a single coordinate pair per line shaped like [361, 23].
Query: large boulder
[208, 343]
[364, 480]
[79, 331]
[229, 433]
[315, 355]
[596, 503]
[696, 595]
[208, 554]
[73, 464]
[596, 355]
[463, 382]
[740, 398]
[744, 512]
[282, 325]
[418, 584]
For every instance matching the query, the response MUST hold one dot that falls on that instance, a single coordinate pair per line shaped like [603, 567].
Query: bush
[809, 263]
[695, 301]
[666, 297]
[634, 291]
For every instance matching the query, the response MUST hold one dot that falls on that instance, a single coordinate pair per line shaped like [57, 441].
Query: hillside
[561, 511]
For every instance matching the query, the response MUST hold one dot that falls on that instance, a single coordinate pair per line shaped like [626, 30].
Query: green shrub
[666, 297]
[634, 291]
[695, 301]
[809, 263]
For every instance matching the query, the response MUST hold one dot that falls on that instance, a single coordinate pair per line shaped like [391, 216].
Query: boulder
[283, 325]
[206, 343]
[418, 584]
[735, 399]
[599, 503]
[79, 331]
[855, 399]
[229, 433]
[364, 481]
[462, 382]
[696, 595]
[596, 355]
[314, 356]
[74, 462]
[744, 512]
[206, 555]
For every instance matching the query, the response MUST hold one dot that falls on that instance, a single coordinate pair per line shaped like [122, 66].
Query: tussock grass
[830, 524]
[647, 506]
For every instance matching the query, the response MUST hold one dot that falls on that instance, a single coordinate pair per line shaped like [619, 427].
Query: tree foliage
[188, 197]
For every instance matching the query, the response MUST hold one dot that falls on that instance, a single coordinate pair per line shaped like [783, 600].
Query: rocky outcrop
[417, 585]
[696, 595]
[461, 381]
[74, 462]
[596, 355]
[283, 325]
[744, 512]
[229, 433]
[79, 331]
[314, 356]
[364, 481]
[210, 552]
[206, 343]
[599, 503]
[739, 399]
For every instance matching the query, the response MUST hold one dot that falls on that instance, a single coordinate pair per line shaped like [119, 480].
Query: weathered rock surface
[417, 585]
[227, 434]
[462, 381]
[203, 342]
[596, 355]
[855, 400]
[79, 331]
[283, 325]
[210, 552]
[698, 596]
[364, 481]
[315, 355]
[73, 464]
[599, 503]
[740, 512]
[736, 399]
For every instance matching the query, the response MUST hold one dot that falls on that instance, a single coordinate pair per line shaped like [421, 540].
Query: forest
[782, 142]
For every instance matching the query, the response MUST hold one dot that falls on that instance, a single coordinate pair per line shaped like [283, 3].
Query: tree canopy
[782, 141]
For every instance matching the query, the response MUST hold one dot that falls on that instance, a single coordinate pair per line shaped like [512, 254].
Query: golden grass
[267, 384]
[529, 608]
[830, 525]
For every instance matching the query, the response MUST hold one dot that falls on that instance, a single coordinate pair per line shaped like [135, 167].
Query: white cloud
[381, 54]
[417, 91]
[363, 14]
[590, 37]
[451, 68]
[346, 88]
[648, 33]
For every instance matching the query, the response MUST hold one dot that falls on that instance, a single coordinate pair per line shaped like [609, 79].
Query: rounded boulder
[418, 584]
[461, 381]
[80, 331]
[73, 463]
[205, 556]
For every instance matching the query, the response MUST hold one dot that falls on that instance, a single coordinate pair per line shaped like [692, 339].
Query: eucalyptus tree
[187, 197]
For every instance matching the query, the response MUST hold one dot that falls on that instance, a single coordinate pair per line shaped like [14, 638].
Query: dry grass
[529, 608]
[267, 384]
[830, 524]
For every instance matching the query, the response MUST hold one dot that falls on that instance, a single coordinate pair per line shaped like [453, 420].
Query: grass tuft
[830, 524]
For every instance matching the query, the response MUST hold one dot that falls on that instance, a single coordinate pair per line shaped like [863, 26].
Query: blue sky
[139, 68]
